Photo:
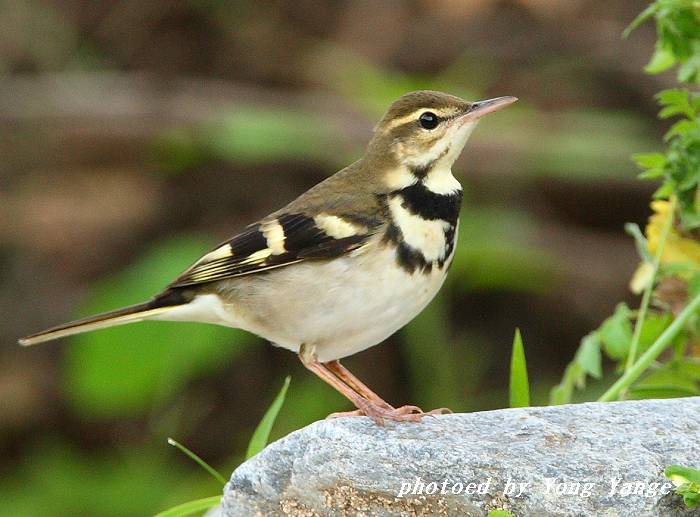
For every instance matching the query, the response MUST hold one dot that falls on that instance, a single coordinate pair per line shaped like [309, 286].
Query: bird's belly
[339, 307]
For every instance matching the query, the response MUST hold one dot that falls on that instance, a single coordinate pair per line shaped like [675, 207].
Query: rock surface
[579, 460]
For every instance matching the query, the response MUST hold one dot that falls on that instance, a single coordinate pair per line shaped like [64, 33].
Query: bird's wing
[279, 241]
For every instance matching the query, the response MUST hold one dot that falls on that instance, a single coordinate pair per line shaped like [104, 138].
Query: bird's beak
[480, 108]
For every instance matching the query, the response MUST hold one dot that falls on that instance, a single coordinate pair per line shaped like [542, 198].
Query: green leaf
[690, 217]
[651, 174]
[680, 128]
[687, 473]
[645, 361]
[690, 368]
[519, 387]
[670, 111]
[127, 370]
[688, 71]
[661, 392]
[653, 161]
[616, 333]
[687, 481]
[690, 494]
[562, 392]
[673, 97]
[661, 60]
[587, 361]
[652, 327]
[672, 379]
[262, 432]
[191, 507]
[664, 191]
[500, 513]
[678, 37]
[589, 357]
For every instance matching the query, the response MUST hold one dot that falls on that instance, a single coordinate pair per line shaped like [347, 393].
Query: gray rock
[578, 460]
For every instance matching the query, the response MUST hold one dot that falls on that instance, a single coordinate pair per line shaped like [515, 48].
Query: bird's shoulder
[335, 217]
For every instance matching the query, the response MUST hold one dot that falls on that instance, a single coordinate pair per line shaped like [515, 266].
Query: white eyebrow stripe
[406, 118]
[414, 116]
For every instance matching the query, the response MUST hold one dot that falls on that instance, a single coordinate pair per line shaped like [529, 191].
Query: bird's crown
[408, 108]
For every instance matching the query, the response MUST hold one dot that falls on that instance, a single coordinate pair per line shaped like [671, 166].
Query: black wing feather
[249, 252]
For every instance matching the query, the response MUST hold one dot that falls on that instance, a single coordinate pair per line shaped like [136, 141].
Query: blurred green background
[135, 135]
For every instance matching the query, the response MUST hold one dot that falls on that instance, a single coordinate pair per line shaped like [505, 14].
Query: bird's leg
[356, 384]
[364, 405]
[309, 360]
[360, 387]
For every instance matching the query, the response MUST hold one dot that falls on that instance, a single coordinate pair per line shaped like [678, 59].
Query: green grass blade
[191, 507]
[262, 433]
[519, 387]
[199, 461]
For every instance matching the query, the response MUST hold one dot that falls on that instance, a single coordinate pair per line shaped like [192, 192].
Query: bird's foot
[401, 414]
[418, 413]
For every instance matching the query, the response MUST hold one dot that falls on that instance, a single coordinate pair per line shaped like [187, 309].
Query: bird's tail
[130, 314]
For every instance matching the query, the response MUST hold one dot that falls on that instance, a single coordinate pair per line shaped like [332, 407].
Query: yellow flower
[677, 250]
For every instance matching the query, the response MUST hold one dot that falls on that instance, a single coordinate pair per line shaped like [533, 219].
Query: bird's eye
[428, 120]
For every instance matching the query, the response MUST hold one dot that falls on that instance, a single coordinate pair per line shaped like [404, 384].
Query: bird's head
[426, 128]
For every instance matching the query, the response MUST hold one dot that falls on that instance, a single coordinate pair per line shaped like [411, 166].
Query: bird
[343, 266]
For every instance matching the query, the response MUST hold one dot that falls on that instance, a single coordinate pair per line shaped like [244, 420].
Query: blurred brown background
[134, 135]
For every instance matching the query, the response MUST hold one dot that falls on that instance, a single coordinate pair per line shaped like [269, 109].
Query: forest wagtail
[347, 263]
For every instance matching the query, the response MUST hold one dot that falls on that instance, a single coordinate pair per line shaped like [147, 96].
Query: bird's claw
[379, 414]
